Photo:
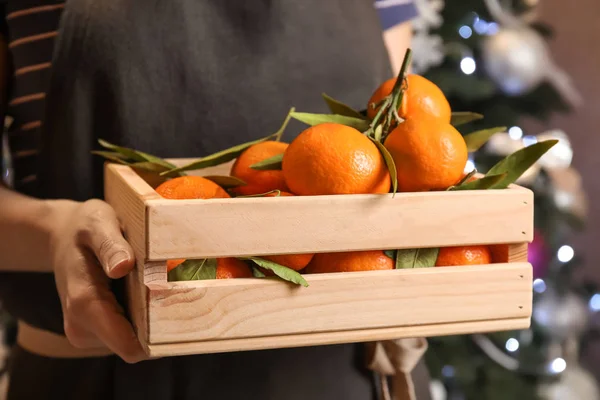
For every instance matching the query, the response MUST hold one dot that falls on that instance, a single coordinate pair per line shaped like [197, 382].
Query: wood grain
[247, 314]
[245, 308]
[325, 338]
[126, 192]
[280, 225]
[517, 252]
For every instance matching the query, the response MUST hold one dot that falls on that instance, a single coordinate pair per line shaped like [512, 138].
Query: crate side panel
[126, 192]
[326, 338]
[195, 311]
[288, 225]
[137, 298]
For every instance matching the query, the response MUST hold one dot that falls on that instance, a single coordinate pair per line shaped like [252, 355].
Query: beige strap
[396, 358]
[48, 344]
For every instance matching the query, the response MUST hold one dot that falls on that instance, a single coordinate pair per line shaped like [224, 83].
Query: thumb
[106, 241]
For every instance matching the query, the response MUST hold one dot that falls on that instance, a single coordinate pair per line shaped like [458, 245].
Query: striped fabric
[31, 26]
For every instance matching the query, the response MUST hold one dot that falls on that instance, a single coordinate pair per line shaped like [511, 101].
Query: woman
[178, 78]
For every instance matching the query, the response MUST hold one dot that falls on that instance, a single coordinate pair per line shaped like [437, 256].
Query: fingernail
[117, 259]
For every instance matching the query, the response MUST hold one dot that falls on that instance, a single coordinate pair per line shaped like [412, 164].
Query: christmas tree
[491, 57]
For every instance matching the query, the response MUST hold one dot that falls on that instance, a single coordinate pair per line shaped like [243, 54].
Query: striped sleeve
[32, 28]
[395, 12]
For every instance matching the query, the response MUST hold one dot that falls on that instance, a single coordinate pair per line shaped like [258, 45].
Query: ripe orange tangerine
[258, 181]
[429, 154]
[463, 255]
[191, 187]
[334, 159]
[350, 262]
[422, 98]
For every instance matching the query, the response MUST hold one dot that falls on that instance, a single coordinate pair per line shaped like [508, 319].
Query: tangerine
[422, 98]
[171, 264]
[230, 268]
[334, 159]
[293, 261]
[463, 255]
[350, 262]
[191, 187]
[429, 154]
[258, 181]
[499, 253]
[227, 268]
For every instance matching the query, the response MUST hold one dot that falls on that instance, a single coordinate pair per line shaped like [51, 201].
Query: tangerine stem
[284, 125]
[398, 90]
[390, 104]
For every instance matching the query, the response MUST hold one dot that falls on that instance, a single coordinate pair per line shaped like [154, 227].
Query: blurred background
[534, 67]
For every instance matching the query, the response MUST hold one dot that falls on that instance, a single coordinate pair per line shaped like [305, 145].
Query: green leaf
[261, 194]
[257, 273]
[135, 155]
[225, 181]
[219, 157]
[127, 152]
[464, 117]
[284, 273]
[269, 164]
[378, 133]
[389, 162]
[416, 258]
[149, 166]
[483, 183]
[390, 253]
[315, 119]
[339, 108]
[194, 270]
[140, 165]
[229, 154]
[477, 139]
[112, 156]
[465, 179]
[518, 162]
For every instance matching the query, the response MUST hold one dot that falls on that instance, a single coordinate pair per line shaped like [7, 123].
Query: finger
[77, 335]
[102, 235]
[113, 329]
[91, 304]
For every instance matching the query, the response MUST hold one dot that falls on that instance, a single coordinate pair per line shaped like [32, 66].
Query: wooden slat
[126, 192]
[279, 225]
[325, 338]
[517, 252]
[245, 308]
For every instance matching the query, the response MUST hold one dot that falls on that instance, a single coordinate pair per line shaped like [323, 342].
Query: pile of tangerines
[403, 141]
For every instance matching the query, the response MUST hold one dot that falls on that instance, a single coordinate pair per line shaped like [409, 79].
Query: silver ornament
[569, 195]
[516, 59]
[561, 154]
[561, 316]
[502, 144]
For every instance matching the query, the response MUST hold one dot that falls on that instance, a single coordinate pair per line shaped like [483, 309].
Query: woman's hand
[87, 250]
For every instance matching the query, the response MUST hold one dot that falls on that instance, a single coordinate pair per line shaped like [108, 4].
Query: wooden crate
[175, 318]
